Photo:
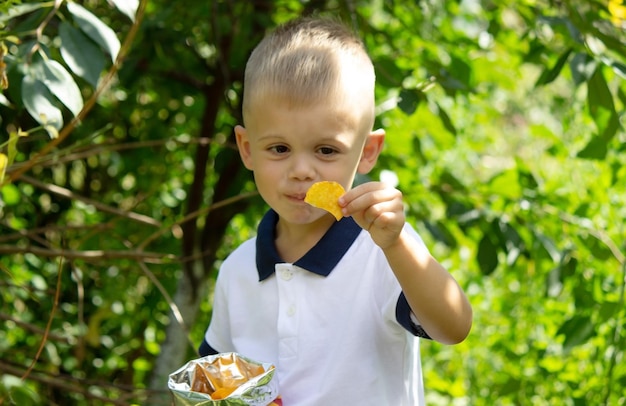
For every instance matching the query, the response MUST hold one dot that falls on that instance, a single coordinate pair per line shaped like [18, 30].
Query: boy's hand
[377, 208]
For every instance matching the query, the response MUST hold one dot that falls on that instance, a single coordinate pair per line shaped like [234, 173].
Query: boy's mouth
[297, 196]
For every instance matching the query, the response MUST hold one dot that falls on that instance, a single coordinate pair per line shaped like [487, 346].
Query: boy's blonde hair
[309, 61]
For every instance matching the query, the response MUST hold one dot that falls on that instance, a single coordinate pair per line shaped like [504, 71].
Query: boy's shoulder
[242, 257]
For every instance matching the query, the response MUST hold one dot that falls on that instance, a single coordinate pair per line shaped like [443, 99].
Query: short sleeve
[217, 336]
[406, 319]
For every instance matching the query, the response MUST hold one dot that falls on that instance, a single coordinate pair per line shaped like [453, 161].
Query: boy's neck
[293, 241]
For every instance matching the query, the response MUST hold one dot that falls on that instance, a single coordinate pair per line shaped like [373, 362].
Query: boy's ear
[371, 150]
[243, 144]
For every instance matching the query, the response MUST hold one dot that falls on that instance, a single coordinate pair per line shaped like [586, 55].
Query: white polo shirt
[331, 323]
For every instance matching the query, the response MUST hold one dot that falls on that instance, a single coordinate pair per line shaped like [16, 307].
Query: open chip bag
[226, 379]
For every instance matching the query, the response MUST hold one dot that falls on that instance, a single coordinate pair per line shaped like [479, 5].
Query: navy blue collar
[321, 259]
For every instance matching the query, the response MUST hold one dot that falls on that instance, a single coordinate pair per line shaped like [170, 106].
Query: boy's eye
[279, 149]
[326, 150]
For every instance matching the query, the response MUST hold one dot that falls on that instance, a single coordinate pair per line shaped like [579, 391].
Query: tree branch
[33, 329]
[63, 192]
[55, 304]
[90, 255]
[82, 386]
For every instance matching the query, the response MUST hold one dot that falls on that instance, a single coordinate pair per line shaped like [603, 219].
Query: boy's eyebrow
[269, 136]
[330, 139]
[335, 138]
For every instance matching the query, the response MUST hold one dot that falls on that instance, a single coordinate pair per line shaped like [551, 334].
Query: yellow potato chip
[324, 195]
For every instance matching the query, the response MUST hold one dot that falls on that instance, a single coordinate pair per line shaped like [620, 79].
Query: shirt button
[286, 274]
[291, 310]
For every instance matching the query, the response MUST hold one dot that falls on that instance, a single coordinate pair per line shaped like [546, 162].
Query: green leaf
[446, 120]
[39, 103]
[507, 184]
[609, 310]
[62, 85]
[5, 102]
[387, 72]
[12, 146]
[601, 106]
[548, 75]
[10, 194]
[582, 67]
[620, 69]
[576, 330]
[95, 29]
[487, 255]
[19, 10]
[80, 54]
[597, 248]
[441, 233]
[512, 385]
[461, 72]
[23, 395]
[557, 276]
[548, 244]
[596, 148]
[128, 7]
[450, 182]
[4, 163]
[513, 243]
[409, 100]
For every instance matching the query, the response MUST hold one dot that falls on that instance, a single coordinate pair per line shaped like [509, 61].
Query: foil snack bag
[226, 379]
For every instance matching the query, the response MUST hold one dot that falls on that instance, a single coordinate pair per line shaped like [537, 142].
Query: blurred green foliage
[504, 129]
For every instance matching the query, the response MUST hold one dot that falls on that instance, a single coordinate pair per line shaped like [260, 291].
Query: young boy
[336, 306]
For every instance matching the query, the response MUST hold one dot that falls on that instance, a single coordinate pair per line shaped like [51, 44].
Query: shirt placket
[287, 277]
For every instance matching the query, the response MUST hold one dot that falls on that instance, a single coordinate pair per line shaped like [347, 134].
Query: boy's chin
[308, 217]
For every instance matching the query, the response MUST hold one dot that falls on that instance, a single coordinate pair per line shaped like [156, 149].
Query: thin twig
[60, 191]
[172, 305]
[90, 255]
[79, 385]
[39, 31]
[49, 325]
[33, 329]
[80, 293]
[195, 214]
[600, 235]
[33, 233]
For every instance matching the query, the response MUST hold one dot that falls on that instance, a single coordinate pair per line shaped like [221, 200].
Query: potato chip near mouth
[325, 195]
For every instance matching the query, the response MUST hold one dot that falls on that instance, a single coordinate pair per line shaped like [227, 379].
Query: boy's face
[289, 149]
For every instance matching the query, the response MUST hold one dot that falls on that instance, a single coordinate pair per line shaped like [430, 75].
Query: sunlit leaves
[81, 54]
[532, 219]
[576, 331]
[48, 89]
[95, 29]
[549, 74]
[19, 10]
[4, 162]
[45, 84]
[601, 106]
[582, 67]
[4, 81]
[602, 110]
[617, 9]
[11, 152]
[60, 83]
[128, 7]
[38, 100]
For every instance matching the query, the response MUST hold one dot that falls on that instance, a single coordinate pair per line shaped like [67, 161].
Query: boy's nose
[301, 169]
